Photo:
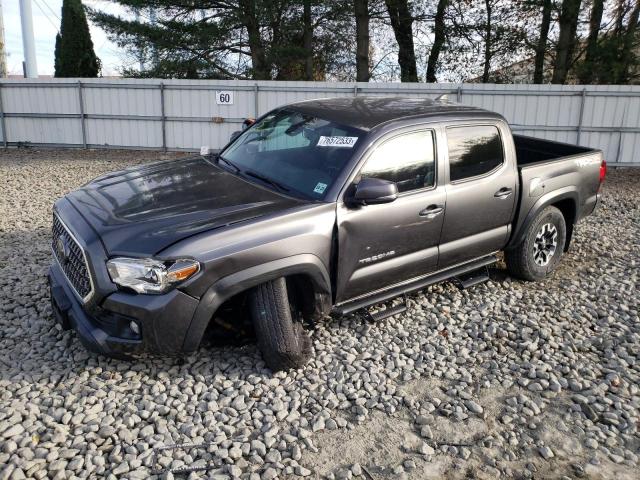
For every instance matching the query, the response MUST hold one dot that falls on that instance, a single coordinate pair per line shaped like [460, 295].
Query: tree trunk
[307, 40]
[586, 74]
[361, 11]
[541, 46]
[566, 39]
[439, 31]
[487, 44]
[620, 10]
[258, 58]
[402, 24]
[627, 46]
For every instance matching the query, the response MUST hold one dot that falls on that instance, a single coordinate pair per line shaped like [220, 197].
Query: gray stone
[13, 431]
[269, 474]
[425, 449]
[546, 452]
[474, 406]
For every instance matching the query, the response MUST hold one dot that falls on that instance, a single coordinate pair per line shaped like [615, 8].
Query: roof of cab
[368, 112]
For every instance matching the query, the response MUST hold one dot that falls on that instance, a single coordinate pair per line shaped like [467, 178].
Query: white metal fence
[184, 114]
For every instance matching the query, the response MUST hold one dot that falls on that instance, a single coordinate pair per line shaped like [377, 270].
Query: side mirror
[372, 191]
[234, 135]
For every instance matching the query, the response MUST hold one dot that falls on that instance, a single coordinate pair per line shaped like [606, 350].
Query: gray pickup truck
[320, 207]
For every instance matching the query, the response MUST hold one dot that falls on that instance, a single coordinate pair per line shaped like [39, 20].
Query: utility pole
[3, 52]
[28, 43]
[140, 54]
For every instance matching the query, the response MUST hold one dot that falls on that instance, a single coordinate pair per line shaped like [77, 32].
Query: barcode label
[342, 142]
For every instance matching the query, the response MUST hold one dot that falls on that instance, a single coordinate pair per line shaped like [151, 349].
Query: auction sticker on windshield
[342, 142]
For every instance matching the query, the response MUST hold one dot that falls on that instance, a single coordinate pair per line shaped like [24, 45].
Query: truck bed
[531, 150]
[549, 168]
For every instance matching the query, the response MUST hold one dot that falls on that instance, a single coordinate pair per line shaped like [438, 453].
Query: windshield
[293, 152]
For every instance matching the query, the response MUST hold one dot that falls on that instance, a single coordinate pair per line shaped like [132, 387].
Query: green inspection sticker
[320, 187]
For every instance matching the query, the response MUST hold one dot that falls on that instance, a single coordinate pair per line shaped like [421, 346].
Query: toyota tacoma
[320, 207]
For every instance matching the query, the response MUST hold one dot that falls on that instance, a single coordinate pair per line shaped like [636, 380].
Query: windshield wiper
[229, 162]
[249, 173]
[271, 182]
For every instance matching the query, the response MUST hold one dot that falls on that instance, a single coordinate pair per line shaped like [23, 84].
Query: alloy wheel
[545, 244]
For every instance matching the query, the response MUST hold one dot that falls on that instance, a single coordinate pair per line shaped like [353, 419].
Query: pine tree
[74, 55]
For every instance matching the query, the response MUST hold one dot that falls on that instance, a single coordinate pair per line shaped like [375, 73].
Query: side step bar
[387, 312]
[356, 304]
[468, 280]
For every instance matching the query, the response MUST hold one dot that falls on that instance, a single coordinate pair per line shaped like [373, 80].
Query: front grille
[71, 258]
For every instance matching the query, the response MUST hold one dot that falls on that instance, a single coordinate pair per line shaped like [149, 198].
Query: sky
[46, 23]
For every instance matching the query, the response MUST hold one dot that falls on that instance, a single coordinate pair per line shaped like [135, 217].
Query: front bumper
[95, 337]
[69, 314]
[163, 320]
[102, 319]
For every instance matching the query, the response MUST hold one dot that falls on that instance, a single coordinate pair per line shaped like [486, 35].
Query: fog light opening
[135, 328]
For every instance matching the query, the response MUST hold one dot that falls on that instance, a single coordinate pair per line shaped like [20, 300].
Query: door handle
[431, 211]
[503, 193]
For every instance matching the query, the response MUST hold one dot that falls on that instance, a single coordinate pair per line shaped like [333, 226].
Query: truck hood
[142, 210]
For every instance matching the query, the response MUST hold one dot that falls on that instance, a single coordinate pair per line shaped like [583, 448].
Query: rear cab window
[474, 150]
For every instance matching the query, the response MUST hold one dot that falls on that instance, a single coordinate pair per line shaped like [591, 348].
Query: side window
[408, 160]
[473, 150]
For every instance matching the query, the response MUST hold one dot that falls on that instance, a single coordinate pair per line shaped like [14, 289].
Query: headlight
[146, 275]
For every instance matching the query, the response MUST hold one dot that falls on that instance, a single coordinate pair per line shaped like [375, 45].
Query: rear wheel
[540, 251]
[281, 337]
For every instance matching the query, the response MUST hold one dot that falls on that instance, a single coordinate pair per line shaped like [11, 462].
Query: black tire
[521, 260]
[283, 342]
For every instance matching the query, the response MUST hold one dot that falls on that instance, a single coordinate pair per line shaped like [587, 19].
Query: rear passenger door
[481, 192]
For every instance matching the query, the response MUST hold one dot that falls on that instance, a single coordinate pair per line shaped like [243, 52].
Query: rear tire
[283, 342]
[539, 253]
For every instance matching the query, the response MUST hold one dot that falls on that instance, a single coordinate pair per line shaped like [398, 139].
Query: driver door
[381, 245]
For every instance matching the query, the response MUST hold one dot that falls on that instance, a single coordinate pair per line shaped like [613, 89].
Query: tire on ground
[520, 260]
[283, 342]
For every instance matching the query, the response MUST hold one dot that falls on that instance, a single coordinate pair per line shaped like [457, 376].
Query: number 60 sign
[224, 97]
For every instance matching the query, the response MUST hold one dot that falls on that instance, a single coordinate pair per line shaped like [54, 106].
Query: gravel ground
[506, 379]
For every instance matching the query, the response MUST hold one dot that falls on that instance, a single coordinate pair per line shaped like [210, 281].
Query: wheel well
[313, 304]
[568, 209]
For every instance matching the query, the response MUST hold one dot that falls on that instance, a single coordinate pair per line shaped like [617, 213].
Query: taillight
[603, 170]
